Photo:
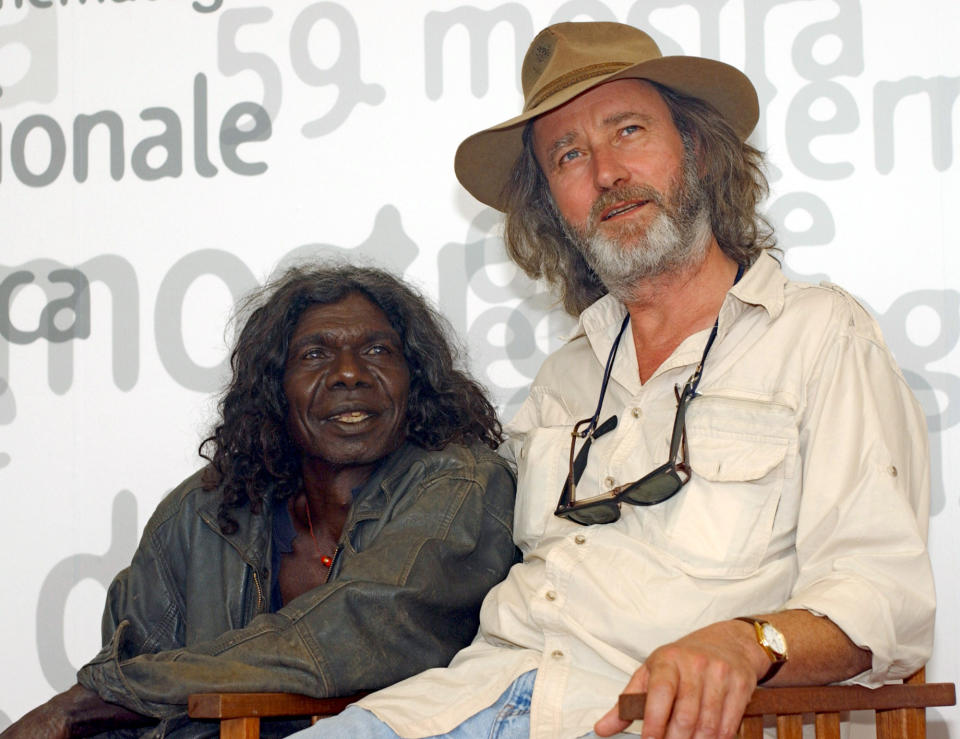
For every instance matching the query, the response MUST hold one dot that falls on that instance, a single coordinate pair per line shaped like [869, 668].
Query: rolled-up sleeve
[862, 526]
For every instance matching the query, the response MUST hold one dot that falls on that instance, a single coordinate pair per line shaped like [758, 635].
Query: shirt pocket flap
[729, 458]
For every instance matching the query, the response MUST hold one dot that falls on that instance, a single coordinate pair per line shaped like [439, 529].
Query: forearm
[818, 652]
[77, 712]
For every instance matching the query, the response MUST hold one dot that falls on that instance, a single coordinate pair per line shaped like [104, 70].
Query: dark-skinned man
[351, 518]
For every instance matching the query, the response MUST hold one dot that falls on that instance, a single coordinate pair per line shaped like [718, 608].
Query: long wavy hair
[250, 449]
[733, 180]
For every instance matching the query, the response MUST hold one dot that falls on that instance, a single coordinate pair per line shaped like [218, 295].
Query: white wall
[104, 390]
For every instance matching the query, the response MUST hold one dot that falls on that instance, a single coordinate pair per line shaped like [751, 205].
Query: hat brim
[483, 161]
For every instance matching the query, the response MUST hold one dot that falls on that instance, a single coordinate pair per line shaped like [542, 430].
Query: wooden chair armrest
[825, 699]
[263, 705]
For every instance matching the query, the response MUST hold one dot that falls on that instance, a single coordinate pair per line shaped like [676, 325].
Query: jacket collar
[251, 539]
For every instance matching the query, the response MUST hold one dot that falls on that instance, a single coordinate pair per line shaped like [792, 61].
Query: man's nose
[348, 370]
[608, 169]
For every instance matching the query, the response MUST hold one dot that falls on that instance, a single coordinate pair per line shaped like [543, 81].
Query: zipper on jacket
[256, 582]
[336, 556]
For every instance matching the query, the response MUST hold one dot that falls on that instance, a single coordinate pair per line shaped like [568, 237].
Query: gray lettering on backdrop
[465, 268]
[345, 72]
[479, 25]
[170, 140]
[387, 246]
[113, 271]
[37, 31]
[70, 572]
[82, 127]
[232, 60]
[232, 134]
[802, 128]
[942, 93]
[583, 10]
[168, 315]
[18, 155]
[708, 14]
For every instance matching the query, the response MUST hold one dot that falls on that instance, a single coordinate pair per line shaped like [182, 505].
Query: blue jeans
[507, 718]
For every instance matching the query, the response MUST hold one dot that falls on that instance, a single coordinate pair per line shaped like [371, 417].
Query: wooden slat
[827, 725]
[240, 728]
[790, 727]
[238, 705]
[905, 723]
[751, 728]
[833, 698]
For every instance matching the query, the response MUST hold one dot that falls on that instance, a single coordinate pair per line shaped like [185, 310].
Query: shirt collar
[762, 285]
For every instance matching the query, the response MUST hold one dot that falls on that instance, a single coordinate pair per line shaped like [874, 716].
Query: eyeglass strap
[580, 463]
[590, 430]
[695, 377]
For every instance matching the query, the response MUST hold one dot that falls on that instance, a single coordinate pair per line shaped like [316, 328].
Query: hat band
[571, 78]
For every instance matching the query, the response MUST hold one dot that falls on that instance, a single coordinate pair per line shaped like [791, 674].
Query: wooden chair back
[899, 709]
[240, 713]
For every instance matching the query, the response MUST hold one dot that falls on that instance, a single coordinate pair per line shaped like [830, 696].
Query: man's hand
[696, 686]
[699, 685]
[75, 712]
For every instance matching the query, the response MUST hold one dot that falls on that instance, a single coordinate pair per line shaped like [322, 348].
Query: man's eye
[569, 156]
[629, 130]
[313, 353]
[378, 349]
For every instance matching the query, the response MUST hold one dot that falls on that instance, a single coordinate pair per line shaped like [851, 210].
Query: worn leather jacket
[428, 534]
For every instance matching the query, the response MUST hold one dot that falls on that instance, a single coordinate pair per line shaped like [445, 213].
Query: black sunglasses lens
[604, 512]
[654, 488]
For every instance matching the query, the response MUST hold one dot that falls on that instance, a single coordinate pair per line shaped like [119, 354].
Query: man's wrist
[770, 643]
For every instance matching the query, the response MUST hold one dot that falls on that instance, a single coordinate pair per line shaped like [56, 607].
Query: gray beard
[676, 239]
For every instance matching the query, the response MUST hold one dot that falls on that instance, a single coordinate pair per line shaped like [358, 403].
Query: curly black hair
[252, 449]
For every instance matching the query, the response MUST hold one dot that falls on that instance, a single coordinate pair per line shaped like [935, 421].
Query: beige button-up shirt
[810, 490]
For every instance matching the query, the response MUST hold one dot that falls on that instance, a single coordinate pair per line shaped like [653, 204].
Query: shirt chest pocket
[721, 522]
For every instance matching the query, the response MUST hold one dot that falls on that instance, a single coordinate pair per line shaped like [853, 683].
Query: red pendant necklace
[324, 559]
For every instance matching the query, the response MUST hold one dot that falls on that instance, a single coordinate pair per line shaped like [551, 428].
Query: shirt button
[892, 470]
[556, 654]
[610, 482]
[636, 412]
[580, 539]
[551, 595]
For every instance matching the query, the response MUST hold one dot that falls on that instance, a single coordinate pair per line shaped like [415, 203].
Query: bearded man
[782, 541]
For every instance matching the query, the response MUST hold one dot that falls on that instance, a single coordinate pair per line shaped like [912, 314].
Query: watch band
[777, 658]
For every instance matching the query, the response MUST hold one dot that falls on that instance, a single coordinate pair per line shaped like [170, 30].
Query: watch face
[774, 639]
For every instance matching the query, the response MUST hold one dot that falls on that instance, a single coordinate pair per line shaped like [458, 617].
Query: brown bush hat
[567, 59]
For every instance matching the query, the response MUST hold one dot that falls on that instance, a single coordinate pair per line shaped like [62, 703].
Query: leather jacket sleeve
[405, 597]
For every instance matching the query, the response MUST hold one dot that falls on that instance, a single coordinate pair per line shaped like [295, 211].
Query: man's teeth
[352, 417]
[624, 209]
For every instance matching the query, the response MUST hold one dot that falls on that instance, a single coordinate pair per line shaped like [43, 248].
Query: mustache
[621, 194]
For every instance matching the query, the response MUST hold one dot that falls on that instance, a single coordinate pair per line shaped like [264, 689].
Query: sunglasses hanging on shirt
[655, 487]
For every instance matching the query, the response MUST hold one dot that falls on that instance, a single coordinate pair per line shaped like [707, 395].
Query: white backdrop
[160, 157]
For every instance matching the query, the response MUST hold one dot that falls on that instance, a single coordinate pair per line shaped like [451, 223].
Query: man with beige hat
[783, 540]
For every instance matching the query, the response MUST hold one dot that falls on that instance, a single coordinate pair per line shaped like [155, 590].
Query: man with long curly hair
[352, 515]
[744, 499]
